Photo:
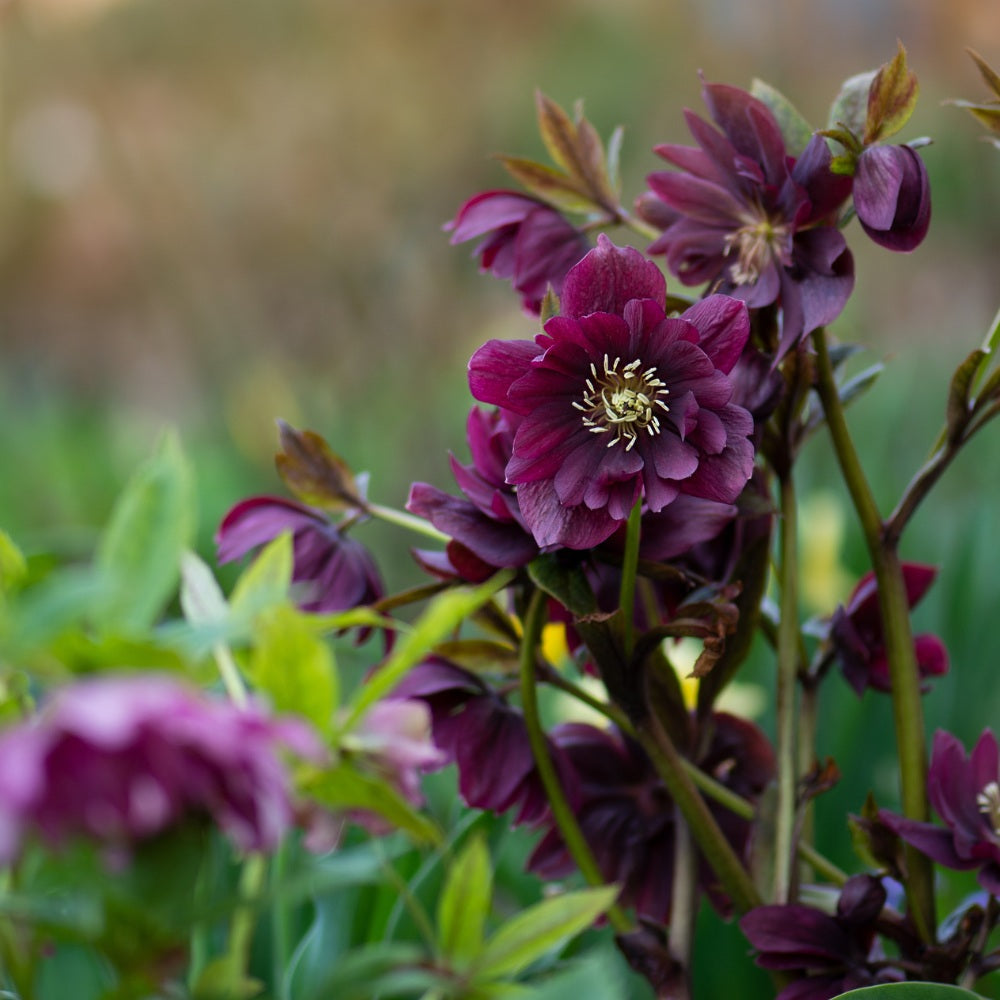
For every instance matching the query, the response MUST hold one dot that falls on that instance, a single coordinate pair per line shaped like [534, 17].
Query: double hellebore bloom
[965, 793]
[619, 403]
[526, 240]
[892, 196]
[857, 633]
[120, 759]
[759, 224]
[832, 953]
[336, 572]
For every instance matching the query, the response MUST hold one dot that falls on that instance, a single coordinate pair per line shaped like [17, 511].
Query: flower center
[622, 401]
[755, 244]
[988, 801]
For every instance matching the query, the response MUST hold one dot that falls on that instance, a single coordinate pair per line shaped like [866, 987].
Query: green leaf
[990, 77]
[202, 600]
[152, 523]
[343, 787]
[464, 904]
[13, 565]
[222, 979]
[294, 666]
[565, 581]
[850, 107]
[383, 969]
[891, 99]
[480, 655]
[441, 618]
[859, 384]
[986, 114]
[794, 128]
[530, 934]
[957, 412]
[909, 991]
[266, 582]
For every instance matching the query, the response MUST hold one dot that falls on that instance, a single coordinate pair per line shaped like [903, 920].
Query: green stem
[637, 225]
[570, 830]
[711, 841]
[245, 916]
[788, 668]
[630, 567]
[281, 925]
[402, 519]
[683, 905]
[906, 702]
[232, 680]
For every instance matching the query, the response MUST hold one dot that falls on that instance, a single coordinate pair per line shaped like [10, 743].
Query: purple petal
[724, 326]
[607, 278]
[496, 365]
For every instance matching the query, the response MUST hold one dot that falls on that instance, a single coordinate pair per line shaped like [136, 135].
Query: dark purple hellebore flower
[965, 793]
[526, 240]
[832, 953]
[757, 223]
[892, 196]
[619, 402]
[486, 529]
[122, 758]
[858, 637]
[336, 572]
[627, 815]
[486, 738]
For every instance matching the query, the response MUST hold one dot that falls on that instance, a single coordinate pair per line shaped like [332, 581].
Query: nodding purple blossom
[858, 638]
[754, 222]
[525, 240]
[892, 196]
[119, 759]
[619, 403]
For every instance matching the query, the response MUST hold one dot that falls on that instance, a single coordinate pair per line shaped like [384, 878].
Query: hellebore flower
[121, 759]
[627, 815]
[857, 633]
[486, 738]
[965, 793]
[831, 952]
[487, 530]
[757, 223]
[337, 573]
[619, 402]
[527, 241]
[892, 196]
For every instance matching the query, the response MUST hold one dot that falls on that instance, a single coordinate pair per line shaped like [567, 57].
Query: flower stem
[788, 668]
[402, 519]
[570, 830]
[711, 841]
[894, 607]
[630, 567]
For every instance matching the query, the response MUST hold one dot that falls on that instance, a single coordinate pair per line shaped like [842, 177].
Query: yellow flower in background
[825, 581]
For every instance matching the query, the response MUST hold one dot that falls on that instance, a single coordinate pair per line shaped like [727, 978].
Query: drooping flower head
[832, 953]
[858, 637]
[335, 571]
[892, 196]
[619, 402]
[525, 240]
[964, 790]
[121, 759]
[744, 215]
[487, 529]
[627, 814]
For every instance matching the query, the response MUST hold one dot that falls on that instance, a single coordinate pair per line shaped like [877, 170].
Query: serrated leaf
[891, 99]
[266, 581]
[344, 788]
[558, 133]
[549, 307]
[294, 666]
[957, 412]
[985, 114]
[909, 991]
[549, 184]
[991, 78]
[441, 617]
[530, 934]
[152, 523]
[314, 473]
[464, 904]
[850, 106]
[794, 128]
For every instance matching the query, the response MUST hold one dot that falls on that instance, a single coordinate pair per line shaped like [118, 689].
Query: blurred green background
[214, 213]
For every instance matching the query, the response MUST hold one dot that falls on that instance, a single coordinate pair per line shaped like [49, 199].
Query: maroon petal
[607, 278]
[495, 366]
[555, 525]
[724, 326]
